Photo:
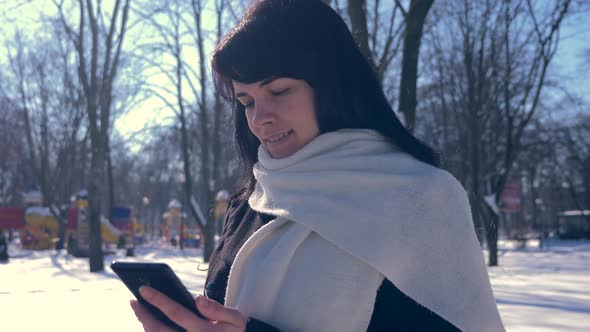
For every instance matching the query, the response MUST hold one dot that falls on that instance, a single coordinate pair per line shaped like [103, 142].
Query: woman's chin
[281, 154]
[282, 149]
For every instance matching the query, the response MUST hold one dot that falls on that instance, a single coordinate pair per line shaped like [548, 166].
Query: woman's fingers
[149, 322]
[215, 311]
[175, 311]
[220, 318]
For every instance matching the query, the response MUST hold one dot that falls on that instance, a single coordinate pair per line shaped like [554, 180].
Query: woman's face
[281, 114]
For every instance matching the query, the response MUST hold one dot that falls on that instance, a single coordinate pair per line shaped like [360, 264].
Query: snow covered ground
[544, 290]
[536, 290]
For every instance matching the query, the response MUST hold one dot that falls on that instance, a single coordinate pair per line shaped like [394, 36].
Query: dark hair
[306, 40]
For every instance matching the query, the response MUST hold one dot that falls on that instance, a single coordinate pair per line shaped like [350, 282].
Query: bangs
[263, 49]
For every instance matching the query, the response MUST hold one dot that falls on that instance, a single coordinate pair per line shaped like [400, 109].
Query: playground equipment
[40, 229]
[138, 232]
[108, 232]
[174, 219]
[119, 232]
[124, 220]
[176, 229]
[40, 226]
[37, 227]
[78, 231]
[78, 226]
[111, 233]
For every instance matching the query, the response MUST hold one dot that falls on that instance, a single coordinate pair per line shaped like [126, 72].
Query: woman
[343, 220]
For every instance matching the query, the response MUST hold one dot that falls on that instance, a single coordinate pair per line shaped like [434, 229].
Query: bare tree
[379, 38]
[202, 130]
[50, 103]
[463, 52]
[11, 150]
[574, 142]
[378, 29]
[98, 64]
[357, 11]
[522, 91]
[494, 92]
[414, 19]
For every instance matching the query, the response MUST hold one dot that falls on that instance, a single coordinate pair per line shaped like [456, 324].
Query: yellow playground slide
[40, 231]
[109, 233]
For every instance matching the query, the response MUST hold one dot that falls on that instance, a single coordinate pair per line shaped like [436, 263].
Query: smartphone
[160, 277]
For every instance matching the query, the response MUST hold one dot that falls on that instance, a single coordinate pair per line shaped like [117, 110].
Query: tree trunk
[492, 240]
[97, 167]
[357, 11]
[205, 128]
[111, 204]
[61, 232]
[413, 35]
[188, 179]
[217, 112]
[181, 237]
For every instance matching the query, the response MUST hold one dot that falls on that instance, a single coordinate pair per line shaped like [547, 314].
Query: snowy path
[47, 291]
[545, 290]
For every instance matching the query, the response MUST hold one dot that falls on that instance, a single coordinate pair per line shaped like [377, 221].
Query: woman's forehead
[238, 86]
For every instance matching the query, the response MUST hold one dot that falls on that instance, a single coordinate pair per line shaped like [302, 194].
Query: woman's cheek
[250, 126]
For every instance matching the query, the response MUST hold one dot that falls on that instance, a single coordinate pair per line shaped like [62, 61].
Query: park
[131, 130]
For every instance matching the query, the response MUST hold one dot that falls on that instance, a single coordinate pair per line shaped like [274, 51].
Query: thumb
[215, 311]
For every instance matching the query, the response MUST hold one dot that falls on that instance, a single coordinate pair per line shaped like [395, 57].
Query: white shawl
[351, 210]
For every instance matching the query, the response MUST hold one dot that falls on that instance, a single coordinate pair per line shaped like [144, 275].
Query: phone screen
[160, 277]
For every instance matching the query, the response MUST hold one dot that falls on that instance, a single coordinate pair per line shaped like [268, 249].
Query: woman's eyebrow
[267, 81]
[261, 84]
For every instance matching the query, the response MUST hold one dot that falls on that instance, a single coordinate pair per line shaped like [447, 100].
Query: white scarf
[351, 210]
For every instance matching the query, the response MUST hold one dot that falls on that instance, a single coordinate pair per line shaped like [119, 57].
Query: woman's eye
[246, 103]
[280, 92]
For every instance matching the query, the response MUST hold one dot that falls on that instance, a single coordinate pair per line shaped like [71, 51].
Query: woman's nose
[262, 114]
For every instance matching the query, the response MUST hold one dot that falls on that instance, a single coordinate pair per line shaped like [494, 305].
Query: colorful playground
[36, 227]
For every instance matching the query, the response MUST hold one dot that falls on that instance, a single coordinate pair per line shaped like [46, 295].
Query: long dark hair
[306, 40]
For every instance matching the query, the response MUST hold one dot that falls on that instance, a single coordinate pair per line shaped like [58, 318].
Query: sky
[135, 123]
[572, 60]
[570, 66]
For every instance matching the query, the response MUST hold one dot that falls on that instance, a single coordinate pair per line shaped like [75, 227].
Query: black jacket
[393, 310]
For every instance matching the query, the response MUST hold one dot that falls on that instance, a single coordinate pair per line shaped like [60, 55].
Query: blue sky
[572, 60]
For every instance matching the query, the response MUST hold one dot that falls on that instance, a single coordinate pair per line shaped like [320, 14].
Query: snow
[174, 204]
[42, 211]
[536, 289]
[53, 291]
[574, 213]
[544, 290]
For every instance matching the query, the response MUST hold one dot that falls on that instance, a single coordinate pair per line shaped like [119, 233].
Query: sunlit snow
[536, 289]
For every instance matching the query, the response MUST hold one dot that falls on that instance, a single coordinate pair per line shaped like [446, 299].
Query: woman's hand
[219, 317]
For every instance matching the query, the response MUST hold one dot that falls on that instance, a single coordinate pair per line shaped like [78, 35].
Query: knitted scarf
[351, 210]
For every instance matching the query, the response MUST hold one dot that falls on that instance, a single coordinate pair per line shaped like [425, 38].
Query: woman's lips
[279, 138]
